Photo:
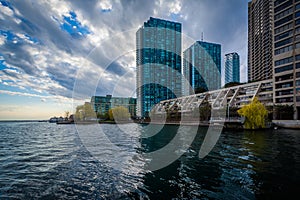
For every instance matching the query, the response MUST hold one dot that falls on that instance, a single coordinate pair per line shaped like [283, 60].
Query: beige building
[286, 54]
[260, 40]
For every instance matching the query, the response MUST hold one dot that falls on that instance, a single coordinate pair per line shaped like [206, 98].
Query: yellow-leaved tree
[119, 113]
[254, 113]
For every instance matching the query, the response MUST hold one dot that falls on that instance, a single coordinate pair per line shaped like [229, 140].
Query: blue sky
[55, 54]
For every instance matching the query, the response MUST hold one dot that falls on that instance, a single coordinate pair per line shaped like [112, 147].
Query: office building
[260, 61]
[286, 29]
[202, 67]
[102, 104]
[232, 67]
[158, 62]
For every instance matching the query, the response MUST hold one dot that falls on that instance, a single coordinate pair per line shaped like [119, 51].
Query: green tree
[200, 90]
[119, 113]
[231, 84]
[254, 113]
[205, 111]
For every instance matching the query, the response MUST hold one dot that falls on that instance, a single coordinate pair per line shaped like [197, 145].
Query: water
[49, 161]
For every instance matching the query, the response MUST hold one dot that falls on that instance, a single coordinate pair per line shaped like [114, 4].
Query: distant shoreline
[1, 121]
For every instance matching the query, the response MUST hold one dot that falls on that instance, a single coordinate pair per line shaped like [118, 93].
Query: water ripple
[47, 161]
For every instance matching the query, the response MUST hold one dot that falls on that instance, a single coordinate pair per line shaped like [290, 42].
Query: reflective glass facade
[102, 104]
[202, 66]
[232, 67]
[158, 61]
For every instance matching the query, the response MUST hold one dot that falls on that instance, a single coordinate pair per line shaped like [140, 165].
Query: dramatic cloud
[78, 49]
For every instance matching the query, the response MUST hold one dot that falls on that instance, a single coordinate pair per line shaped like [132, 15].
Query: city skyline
[45, 49]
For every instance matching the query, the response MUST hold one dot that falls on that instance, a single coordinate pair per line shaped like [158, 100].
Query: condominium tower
[286, 29]
[158, 61]
[202, 66]
[260, 40]
[232, 67]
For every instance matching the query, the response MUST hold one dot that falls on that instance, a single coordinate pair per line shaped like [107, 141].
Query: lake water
[48, 161]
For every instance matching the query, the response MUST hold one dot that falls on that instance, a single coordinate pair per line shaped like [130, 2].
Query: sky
[56, 54]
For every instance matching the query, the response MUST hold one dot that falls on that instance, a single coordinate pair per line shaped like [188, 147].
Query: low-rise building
[102, 104]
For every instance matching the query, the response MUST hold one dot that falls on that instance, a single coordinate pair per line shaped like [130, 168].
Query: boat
[67, 120]
[53, 120]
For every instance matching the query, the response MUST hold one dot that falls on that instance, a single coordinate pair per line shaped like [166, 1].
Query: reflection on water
[42, 160]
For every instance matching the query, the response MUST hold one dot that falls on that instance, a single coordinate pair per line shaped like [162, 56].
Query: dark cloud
[16, 55]
[64, 74]
[116, 68]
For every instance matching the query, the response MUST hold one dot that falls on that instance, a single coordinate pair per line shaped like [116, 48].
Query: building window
[284, 68]
[283, 35]
[283, 42]
[284, 92]
[283, 6]
[284, 13]
[283, 21]
[297, 22]
[278, 2]
[284, 61]
[284, 85]
[297, 14]
[283, 28]
[283, 50]
[284, 77]
[284, 100]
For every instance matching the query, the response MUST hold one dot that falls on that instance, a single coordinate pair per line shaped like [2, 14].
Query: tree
[84, 111]
[78, 113]
[119, 113]
[231, 84]
[200, 90]
[254, 113]
[205, 111]
[67, 113]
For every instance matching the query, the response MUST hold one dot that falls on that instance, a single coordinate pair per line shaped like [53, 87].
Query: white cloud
[175, 7]
[58, 61]
[105, 5]
[2, 40]
[6, 10]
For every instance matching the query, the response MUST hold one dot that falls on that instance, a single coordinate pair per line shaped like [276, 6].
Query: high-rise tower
[286, 78]
[232, 67]
[158, 61]
[260, 39]
[202, 66]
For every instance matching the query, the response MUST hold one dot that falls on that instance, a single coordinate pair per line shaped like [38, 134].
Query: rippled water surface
[49, 161]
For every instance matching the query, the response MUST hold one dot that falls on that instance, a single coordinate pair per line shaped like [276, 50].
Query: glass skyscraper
[232, 67]
[158, 61]
[202, 66]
